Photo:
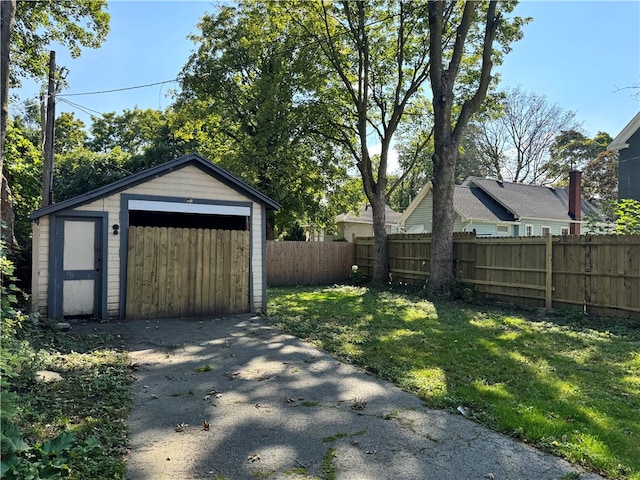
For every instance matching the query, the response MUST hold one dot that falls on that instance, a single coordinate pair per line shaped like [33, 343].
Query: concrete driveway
[233, 398]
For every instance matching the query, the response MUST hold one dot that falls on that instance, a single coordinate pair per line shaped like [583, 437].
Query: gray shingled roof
[474, 203]
[191, 159]
[366, 216]
[531, 201]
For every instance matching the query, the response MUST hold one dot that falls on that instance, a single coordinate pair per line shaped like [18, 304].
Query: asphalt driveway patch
[234, 398]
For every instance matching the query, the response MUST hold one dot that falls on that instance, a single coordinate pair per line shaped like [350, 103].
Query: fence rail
[596, 274]
[308, 263]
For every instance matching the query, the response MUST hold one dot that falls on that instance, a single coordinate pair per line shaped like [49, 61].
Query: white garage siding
[186, 181]
[40, 264]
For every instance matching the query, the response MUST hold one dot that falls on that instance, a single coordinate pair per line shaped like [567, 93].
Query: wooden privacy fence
[308, 263]
[596, 274]
[186, 272]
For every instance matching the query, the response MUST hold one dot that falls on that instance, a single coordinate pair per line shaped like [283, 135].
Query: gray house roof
[531, 201]
[191, 159]
[366, 216]
[475, 203]
[492, 200]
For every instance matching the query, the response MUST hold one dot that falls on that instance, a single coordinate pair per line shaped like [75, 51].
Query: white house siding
[189, 180]
[40, 265]
[421, 215]
[555, 226]
[353, 230]
[483, 229]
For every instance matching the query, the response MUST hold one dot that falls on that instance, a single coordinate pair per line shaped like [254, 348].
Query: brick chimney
[575, 200]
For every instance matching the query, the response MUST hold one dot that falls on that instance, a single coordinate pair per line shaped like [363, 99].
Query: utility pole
[49, 131]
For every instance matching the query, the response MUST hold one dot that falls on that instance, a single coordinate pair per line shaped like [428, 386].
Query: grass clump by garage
[559, 383]
[72, 428]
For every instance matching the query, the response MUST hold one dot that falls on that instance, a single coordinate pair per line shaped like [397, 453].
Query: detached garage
[185, 238]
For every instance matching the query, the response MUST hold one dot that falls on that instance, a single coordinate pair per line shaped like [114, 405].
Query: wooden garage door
[182, 272]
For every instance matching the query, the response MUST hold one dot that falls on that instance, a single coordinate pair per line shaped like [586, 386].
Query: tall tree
[70, 133]
[248, 101]
[462, 34]
[7, 15]
[28, 30]
[515, 144]
[23, 168]
[572, 150]
[376, 60]
[600, 181]
[81, 170]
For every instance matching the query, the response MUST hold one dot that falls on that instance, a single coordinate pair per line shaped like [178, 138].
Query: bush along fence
[598, 275]
[308, 263]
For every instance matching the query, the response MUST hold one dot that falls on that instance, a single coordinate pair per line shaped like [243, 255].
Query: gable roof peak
[620, 142]
[195, 159]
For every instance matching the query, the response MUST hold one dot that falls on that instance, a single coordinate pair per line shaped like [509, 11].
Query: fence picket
[309, 263]
[595, 274]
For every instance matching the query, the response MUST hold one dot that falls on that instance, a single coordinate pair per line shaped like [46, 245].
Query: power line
[116, 89]
[86, 110]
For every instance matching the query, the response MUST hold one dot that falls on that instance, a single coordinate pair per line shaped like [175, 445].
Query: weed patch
[328, 468]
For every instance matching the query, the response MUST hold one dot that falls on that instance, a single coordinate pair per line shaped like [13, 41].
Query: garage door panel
[186, 272]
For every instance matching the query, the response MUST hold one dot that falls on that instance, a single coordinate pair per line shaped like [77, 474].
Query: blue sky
[579, 54]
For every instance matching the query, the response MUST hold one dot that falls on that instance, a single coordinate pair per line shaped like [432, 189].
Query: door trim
[56, 253]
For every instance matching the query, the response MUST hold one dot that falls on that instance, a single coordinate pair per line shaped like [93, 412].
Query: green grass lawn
[565, 384]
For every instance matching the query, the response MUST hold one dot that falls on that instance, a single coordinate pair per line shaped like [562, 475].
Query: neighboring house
[184, 238]
[495, 208]
[627, 144]
[350, 226]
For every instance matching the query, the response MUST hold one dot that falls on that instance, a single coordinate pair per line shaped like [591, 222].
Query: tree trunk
[7, 14]
[447, 132]
[380, 254]
[441, 279]
[7, 213]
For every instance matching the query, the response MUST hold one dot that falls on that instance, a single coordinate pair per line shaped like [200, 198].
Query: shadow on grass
[560, 385]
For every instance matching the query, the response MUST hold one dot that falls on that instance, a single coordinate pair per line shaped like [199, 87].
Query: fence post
[548, 291]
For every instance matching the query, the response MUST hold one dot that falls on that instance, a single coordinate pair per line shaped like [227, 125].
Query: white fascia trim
[620, 142]
[197, 208]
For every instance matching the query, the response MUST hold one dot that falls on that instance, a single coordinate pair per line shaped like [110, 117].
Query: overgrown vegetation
[73, 428]
[566, 384]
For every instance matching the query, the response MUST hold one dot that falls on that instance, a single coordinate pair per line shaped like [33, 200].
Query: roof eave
[620, 142]
[155, 172]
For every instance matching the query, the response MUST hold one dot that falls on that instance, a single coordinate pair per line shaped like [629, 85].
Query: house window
[564, 230]
[546, 231]
[528, 229]
[502, 229]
